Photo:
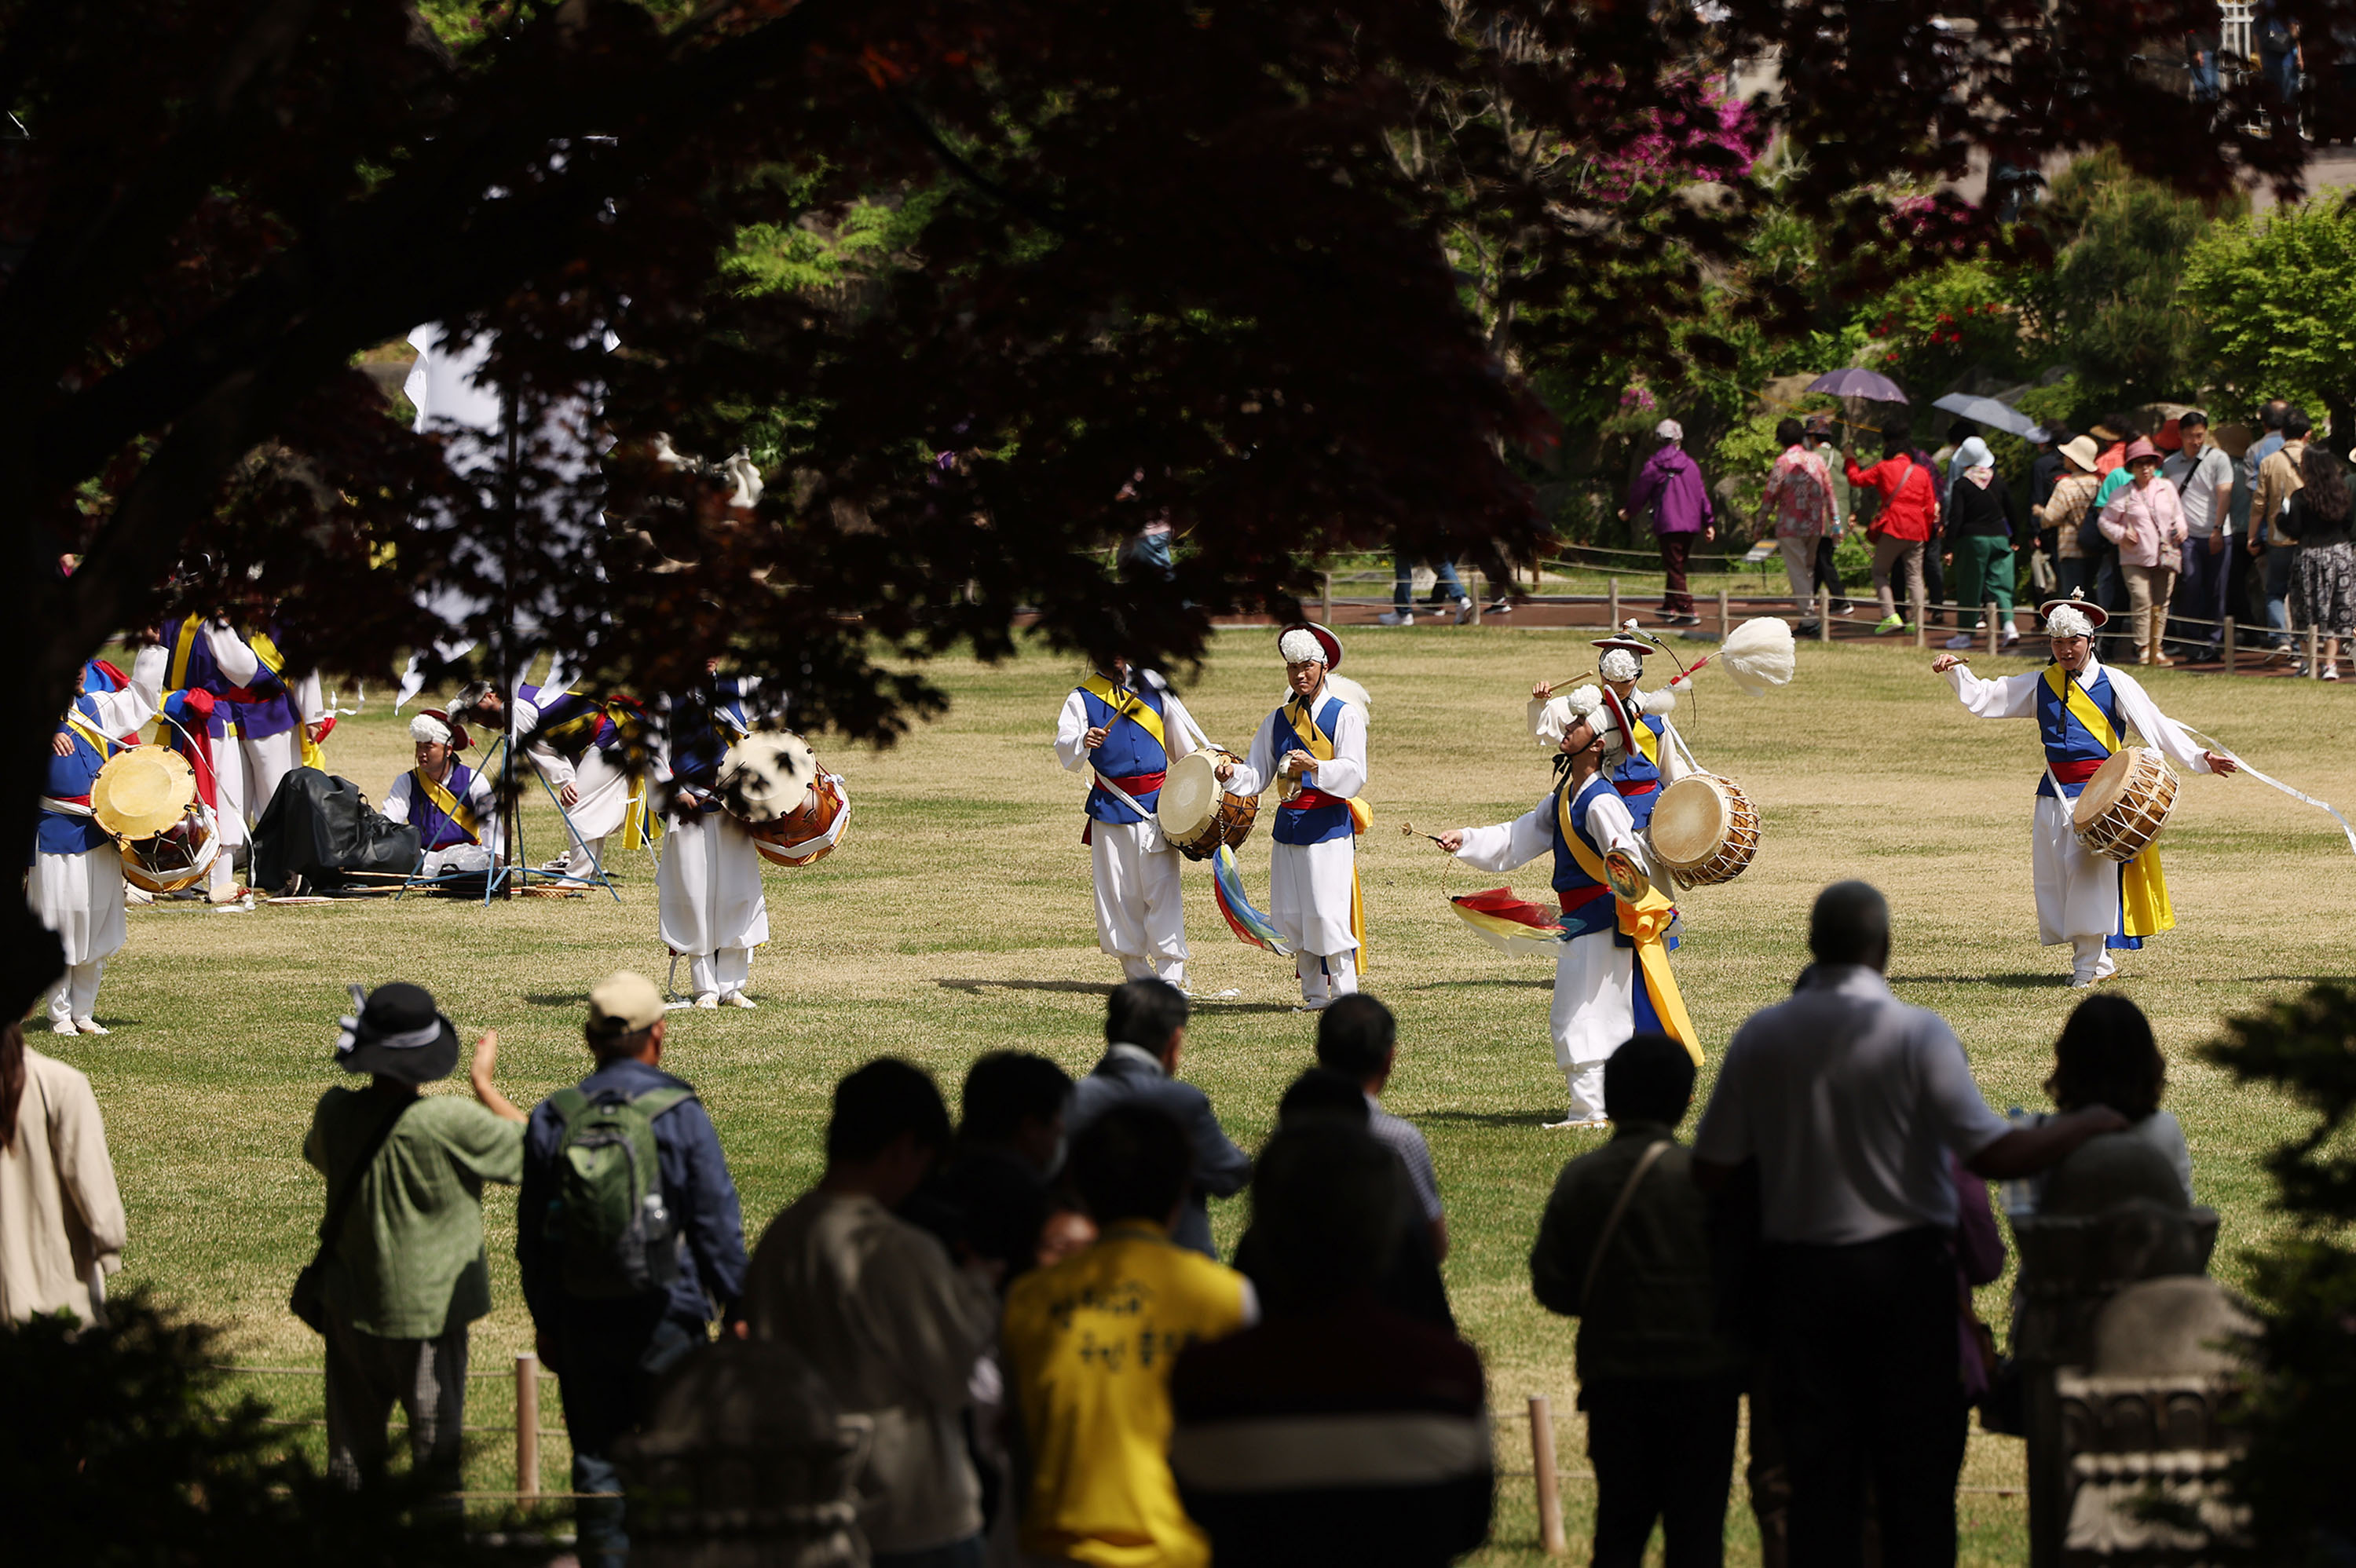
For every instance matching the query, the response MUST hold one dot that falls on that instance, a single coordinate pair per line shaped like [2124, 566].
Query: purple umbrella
[1856, 383]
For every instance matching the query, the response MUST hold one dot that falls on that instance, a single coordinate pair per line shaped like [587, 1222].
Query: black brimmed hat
[398, 1034]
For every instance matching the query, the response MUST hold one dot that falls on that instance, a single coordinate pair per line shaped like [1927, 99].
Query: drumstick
[1408, 830]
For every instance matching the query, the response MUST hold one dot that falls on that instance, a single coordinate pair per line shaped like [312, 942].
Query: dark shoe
[1502, 607]
[1808, 629]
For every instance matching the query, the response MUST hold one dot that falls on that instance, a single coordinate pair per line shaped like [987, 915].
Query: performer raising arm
[1127, 727]
[1639, 744]
[1317, 744]
[2083, 710]
[1612, 978]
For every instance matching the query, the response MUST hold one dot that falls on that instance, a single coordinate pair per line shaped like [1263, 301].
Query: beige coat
[60, 1212]
[2279, 480]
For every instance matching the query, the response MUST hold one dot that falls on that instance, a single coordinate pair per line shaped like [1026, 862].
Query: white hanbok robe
[1311, 885]
[601, 787]
[1140, 918]
[2077, 890]
[708, 890]
[79, 896]
[1595, 980]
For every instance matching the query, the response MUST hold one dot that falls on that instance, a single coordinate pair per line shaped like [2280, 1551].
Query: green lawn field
[956, 919]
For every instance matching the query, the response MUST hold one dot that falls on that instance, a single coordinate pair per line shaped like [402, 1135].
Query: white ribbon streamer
[2217, 746]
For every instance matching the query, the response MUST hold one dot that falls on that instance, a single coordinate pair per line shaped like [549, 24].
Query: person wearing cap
[2279, 476]
[451, 805]
[1612, 978]
[708, 902]
[2145, 520]
[581, 746]
[1315, 745]
[2083, 710]
[2064, 511]
[606, 1351]
[1670, 484]
[403, 1273]
[76, 885]
[1640, 751]
[1980, 528]
[1126, 726]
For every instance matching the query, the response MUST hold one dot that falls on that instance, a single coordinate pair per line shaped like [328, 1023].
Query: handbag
[308, 1299]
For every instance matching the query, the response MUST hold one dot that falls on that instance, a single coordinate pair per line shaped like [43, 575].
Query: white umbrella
[1988, 411]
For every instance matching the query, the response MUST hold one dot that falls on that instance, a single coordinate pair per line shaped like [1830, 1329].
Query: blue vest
[1296, 825]
[1635, 769]
[271, 710]
[435, 829]
[2067, 740]
[569, 723]
[1129, 749]
[68, 778]
[1600, 913]
[703, 725]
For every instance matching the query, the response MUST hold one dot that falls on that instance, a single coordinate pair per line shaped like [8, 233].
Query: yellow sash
[104, 745]
[641, 826]
[450, 807]
[1641, 733]
[314, 754]
[266, 654]
[2144, 905]
[1129, 706]
[1321, 746]
[178, 678]
[1645, 922]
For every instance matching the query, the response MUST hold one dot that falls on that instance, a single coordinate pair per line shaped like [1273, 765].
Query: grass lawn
[956, 919]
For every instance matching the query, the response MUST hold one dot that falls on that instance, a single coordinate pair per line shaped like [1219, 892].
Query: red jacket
[1910, 508]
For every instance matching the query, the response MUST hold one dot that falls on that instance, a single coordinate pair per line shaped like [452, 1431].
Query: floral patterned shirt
[1799, 495]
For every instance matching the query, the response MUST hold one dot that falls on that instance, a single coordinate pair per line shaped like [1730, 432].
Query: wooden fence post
[1824, 614]
[1922, 623]
[2313, 653]
[1722, 622]
[1550, 1537]
[1325, 610]
[2229, 645]
[1614, 612]
[1987, 612]
[527, 1407]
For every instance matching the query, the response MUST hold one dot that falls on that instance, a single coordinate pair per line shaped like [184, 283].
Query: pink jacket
[2146, 522]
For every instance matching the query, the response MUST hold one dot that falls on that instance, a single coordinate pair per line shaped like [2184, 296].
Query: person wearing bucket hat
[1314, 745]
[76, 884]
[2064, 513]
[401, 1273]
[2083, 710]
[2145, 520]
[452, 807]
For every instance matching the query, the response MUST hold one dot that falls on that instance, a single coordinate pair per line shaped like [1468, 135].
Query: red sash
[1133, 785]
[2075, 773]
[1645, 787]
[1580, 898]
[1312, 799]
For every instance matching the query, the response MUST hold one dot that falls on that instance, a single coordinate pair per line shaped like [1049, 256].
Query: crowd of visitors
[1050, 1362]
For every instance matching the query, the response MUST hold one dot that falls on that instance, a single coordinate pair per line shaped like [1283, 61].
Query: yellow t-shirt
[1088, 1347]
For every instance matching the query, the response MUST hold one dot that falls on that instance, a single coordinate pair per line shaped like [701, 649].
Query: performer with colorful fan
[452, 807]
[1314, 745]
[2084, 711]
[1127, 726]
[76, 885]
[708, 883]
[1612, 939]
[1641, 749]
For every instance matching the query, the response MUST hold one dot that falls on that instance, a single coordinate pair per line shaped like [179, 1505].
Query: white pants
[720, 974]
[1586, 1085]
[1325, 977]
[1594, 1012]
[1309, 894]
[708, 894]
[265, 764]
[2077, 890]
[1139, 918]
[79, 896]
[77, 993]
[602, 797]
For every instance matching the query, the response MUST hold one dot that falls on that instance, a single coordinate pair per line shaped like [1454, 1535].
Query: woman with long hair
[2107, 1056]
[60, 1218]
[2323, 577]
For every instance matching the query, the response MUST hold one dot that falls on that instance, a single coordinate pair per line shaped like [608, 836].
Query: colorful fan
[1510, 925]
[1250, 925]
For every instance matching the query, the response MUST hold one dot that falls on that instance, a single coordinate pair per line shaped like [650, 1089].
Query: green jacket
[409, 1264]
[1650, 1315]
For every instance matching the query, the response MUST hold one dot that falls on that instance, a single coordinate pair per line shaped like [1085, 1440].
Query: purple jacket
[1671, 481]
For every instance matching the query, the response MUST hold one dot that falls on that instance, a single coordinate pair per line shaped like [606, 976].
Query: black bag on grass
[318, 827]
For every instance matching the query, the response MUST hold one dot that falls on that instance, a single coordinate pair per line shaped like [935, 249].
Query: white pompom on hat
[425, 727]
[1306, 640]
[2069, 623]
[1618, 663]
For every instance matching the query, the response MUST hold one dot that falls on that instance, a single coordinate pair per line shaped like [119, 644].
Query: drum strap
[83, 728]
[2082, 707]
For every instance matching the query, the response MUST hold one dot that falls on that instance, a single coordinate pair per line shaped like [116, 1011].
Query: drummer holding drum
[2102, 800]
[1126, 728]
[76, 885]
